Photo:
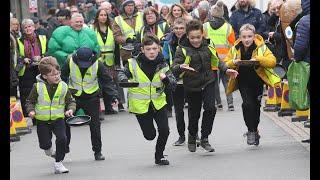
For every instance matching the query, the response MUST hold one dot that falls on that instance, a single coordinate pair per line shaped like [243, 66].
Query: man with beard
[246, 13]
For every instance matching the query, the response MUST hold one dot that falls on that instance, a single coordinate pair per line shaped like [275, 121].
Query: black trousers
[149, 131]
[91, 108]
[251, 97]
[44, 132]
[178, 102]
[169, 99]
[206, 98]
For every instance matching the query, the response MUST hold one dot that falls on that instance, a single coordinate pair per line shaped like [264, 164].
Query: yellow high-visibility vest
[148, 91]
[43, 43]
[219, 37]
[88, 83]
[47, 109]
[126, 29]
[160, 31]
[214, 59]
[107, 48]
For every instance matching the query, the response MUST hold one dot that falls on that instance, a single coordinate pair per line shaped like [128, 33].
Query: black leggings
[149, 131]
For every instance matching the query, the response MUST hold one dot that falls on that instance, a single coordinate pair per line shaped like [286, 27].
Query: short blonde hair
[247, 27]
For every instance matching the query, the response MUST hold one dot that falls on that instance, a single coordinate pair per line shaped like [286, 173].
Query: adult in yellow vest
[153, 24]
[127, 25]
[31, 48]
[109, 55]
[221, 34]
[148, 100]
[82, 73]
[49, 102]
[251, 46]
[199, 75]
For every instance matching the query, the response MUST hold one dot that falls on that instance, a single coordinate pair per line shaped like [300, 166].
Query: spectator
[139, 5]
[187, 4]
[202, 12]
[164, 11]
[31, 48]
[64, 17]
[220, 32]
[276, 41]
[108, 8]
[14, 81]
[98, 3]
[52, 20]
[128, 23]
[15, 27]
[66, 39]
[176, 11]
[246, 13]
[225, 9]
[38, 29]
[90, 11]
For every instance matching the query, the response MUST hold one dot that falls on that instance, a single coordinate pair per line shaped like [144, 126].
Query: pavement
[280, 155]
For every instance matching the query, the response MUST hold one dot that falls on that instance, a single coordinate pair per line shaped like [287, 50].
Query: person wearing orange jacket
[222, 35]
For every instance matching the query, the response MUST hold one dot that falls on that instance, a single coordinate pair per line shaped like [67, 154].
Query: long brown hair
[96, 21]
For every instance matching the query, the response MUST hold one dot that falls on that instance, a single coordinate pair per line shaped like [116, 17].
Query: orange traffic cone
[18, 118]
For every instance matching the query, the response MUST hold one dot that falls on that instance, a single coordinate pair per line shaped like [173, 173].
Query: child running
[49, 102]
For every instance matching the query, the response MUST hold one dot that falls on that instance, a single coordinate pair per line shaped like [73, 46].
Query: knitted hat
[126, 2]
[217, 10]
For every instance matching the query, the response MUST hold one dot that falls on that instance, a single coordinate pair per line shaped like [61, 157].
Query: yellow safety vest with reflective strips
[140, 97]
[160, 31]
[219, 38]
[88, 83]
[107, 48]
[126, 29]
[273, 78]
[47, 109]
[214, 59]
[43, 43]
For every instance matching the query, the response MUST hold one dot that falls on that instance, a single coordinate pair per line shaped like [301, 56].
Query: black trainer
[230, 107]
[180, 141]
[251, 137]
[121, 108]
[192, 146]
[205, 145]
[110, 111]
[162, 161]
[99, 156]
[257, 138]
[219, 107]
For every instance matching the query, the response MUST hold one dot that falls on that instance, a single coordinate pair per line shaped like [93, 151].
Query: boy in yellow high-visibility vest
[49, 102]
[148, 100]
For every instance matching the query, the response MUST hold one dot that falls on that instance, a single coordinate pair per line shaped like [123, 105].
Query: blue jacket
[252, 16]
[302, 40]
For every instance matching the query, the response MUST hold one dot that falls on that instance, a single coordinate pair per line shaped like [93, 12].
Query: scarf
[32, 47]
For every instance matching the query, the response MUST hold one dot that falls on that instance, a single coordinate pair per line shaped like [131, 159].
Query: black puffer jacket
[200, 61]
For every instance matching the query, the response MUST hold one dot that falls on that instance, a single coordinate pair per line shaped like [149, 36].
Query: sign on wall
[33, 6]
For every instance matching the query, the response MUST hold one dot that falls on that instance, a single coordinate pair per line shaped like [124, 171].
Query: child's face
[53, 77]
[247, 38]
[179, 30]
[195, 38]
[151, 51]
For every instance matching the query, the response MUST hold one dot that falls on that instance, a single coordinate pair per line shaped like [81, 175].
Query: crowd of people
[178, 54]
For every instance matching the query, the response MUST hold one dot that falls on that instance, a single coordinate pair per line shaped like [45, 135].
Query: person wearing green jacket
[67, 39]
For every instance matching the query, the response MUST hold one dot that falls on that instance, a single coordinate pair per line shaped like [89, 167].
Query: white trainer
[59, 168]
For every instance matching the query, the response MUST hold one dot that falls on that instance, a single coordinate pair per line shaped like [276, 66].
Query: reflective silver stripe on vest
[126, 32]
[143, 97]
[134, 68]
